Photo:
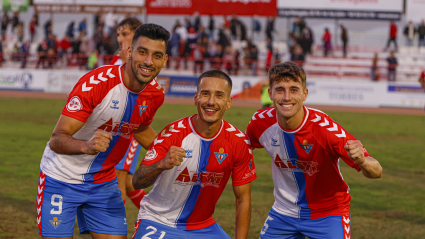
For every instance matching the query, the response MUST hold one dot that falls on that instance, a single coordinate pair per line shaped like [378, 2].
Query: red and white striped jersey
[185, 196]
[305, 163]
[116, 60]
[102, 101]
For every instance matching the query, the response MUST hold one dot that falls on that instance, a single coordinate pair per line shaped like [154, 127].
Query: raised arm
[145, 135]
[62, 142]
[145, 175]
[370, 167]
[243, 209]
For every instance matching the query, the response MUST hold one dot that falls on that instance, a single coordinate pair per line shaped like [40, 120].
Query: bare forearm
[145, 137]
[145, 176]
[371, 168]
[243, 218]
[63, 143]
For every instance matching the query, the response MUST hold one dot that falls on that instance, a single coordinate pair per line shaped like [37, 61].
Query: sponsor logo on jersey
[220, 156]
[142, 107]
[201, 178]
[115, 102]
[123, 129]
[293, 165]
[189, 153]
[307, 147]
[150, 155]
[74, 104]
[248, 175]
[55, 222]
[275, 142]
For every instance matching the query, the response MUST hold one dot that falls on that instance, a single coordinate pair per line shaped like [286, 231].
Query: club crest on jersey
[189, 153]
[307, 147]
[115, 102]
[55, 222]
[275, 142]
[74, 104]
[143, 107]
[150, 155]
[220, 156]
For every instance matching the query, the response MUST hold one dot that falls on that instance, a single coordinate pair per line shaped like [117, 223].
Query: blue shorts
[98, 207]
[129, 161]
[153, 230]
[284, 227]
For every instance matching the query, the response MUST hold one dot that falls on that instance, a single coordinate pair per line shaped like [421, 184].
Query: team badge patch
[55, 222]
[74, 104]
[220, 156]
[307, 147]
[142, 107]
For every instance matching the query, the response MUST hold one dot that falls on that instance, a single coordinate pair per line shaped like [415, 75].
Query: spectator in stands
[211, 27]
[296, 30]
[298, 56]
[110, 22]
[20, 32]
[93, 60]
[253, 57]
[327, 45]
[24, 51]
[270, 27]
[256, 29]
[98, 37]
[201, 33]
[51, 58]
[421, 34]
[196, 21]
[48, 26]
[51, 41]
[374, 69]
[228, 59]
[198, 58]
[4, 22]
[83, 25]
[65, 46]
[33, 28]
[97, 20]
[266, 102]
[42, 54]
[306, 41]
[234, 22]
[192, 39]
[409, 33]
[344, 39]
[392, 66]
[392, 36]
[70, 30]
[223, 41]
[15, 21]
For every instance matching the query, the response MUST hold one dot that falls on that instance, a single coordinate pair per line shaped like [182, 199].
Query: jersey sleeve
[253, 135]
[423, 74]
[338, 141]
[243, 171]
[159, 148]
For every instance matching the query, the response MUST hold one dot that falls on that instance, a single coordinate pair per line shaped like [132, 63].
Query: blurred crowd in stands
[192, 41]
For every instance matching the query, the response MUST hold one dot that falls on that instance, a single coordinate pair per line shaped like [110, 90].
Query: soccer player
[126, 167]
[105, 108]
[306, 145]
[190, 163]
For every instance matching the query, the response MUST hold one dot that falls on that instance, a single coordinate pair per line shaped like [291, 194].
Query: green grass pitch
[390, 207]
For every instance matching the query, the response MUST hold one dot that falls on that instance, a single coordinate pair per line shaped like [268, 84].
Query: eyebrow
[146, 49]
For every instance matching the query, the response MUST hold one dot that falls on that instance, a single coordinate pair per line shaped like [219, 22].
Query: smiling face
[288, 96]
[124, 35]
[147, 57]
[213, 99]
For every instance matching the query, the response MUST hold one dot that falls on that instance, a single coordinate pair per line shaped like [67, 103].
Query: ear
[229, 103]
[165, 60]
[195, 98]
[129, 49]
[270, 93]
[305, 94]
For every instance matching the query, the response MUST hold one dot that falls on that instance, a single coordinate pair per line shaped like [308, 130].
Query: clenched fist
[173, 158]
[355, 151]
[99, 142]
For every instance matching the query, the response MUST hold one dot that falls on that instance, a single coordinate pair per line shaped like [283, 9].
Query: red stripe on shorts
[136, 227]
[346, 226]
[39, 202]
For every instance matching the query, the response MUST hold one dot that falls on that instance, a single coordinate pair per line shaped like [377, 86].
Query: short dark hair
[151, 31]
[217, 74]
[287, 71]
[131, 22]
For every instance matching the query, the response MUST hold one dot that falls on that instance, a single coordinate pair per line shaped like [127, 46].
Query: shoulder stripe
[100, 78]
[333, 128]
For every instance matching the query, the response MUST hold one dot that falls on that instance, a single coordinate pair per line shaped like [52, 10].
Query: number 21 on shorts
[154, 230]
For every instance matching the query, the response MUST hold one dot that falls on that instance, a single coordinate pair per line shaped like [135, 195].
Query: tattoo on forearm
[146, 176]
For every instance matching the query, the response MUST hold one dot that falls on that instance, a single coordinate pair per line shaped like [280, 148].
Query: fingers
[176, 155]
[99, 142]
[354, 149]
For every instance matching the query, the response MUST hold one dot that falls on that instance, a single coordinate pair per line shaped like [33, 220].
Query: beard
[140, 78]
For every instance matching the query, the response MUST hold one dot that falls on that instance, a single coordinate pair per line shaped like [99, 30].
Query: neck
[130, 80]
[204, 128]
[292, 122]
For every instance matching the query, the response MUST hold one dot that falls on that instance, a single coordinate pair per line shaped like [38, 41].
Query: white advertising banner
[352, 9]
[407, 94]
[26, 80]
[415, 10]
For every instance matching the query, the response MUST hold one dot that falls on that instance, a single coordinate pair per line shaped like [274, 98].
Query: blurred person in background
[298, 56]
[270, 27]
[375, 69]
[42, 54]
[15, 21]
[421, 34]
[198, 58]
[409, 33]
[392, 36]
[19, 30]
[33, 28]
[266, 102]
[48, 26]
[4, 23]
[83, 25]
[70, 30]
[344, 39]
[327, 44]
[392, 66]
[173, 47]
[97, 38]
[110, 22]
[255, 29]
[306, 41]
[211, 27]
[93, 60]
